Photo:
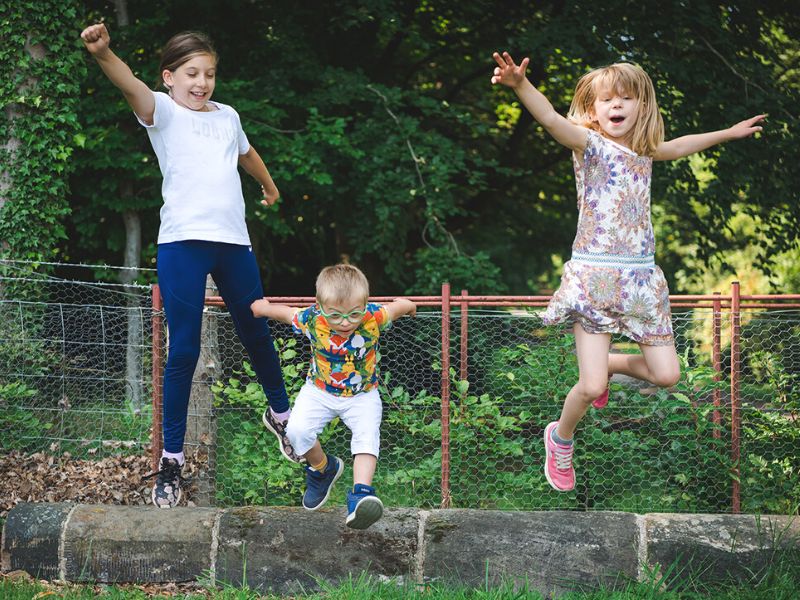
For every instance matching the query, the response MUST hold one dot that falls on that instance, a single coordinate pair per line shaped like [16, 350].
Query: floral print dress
[612, 284]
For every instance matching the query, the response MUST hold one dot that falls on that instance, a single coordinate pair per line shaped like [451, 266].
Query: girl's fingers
[498, 59]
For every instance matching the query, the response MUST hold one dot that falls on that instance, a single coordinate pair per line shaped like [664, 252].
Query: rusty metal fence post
[446, 495]
[716, 362]
[736, 417]
[464, 348]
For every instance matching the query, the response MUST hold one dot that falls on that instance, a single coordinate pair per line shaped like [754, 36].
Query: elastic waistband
[614, 260]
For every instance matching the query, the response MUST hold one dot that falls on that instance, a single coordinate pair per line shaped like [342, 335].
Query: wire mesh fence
[75, 366]
[461, 427]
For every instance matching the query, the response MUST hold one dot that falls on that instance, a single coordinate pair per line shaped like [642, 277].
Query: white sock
[281, 417]
[176, 455]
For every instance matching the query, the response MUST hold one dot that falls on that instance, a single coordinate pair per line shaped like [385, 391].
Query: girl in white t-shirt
[199, 144]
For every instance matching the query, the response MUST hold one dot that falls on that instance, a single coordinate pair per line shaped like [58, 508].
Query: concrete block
[113, 544]
[550, 551]
[718, 547]
[31, 537]
[285, 550]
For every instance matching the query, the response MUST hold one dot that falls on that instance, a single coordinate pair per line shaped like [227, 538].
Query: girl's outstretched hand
[268, 198]
[96, 38]
[507, 72]
[747, 127]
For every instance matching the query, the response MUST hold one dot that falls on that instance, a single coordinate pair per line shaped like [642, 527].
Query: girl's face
[192, 84]
[344, 317]
[615, 111]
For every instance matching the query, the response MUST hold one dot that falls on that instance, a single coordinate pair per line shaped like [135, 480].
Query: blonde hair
[648, 132]
[340, 283]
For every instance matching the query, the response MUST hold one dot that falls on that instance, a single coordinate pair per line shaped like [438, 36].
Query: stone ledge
[284, 550]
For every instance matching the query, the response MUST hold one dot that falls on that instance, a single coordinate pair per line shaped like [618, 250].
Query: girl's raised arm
[139, 96]
[566, 133]
[689, 144]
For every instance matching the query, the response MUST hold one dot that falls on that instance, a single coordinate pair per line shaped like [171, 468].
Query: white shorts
[314, 408]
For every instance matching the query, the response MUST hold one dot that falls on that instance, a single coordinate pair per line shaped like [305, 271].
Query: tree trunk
[134, 382]
[11, 145]
[133, 251]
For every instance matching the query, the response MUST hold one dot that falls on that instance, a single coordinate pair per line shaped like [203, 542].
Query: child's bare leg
[657, 364]
[663, 367]
[316, 455]
[364, 468]
[592, 350]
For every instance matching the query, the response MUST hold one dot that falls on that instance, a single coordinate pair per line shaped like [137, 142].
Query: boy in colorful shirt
[342, 381]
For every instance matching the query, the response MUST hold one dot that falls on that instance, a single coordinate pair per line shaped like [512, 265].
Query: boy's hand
[507, 72]
[259, 306]
[747, 127]
[96, 39]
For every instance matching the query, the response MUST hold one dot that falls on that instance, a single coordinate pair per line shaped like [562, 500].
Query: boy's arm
[689, 144]
[400, 307]
[279, 312]
[563, 131]
[139, 96]
[252, 163]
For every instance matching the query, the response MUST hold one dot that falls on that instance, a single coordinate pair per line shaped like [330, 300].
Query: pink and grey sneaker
[558, 462]
[601, 401]
[278, 429]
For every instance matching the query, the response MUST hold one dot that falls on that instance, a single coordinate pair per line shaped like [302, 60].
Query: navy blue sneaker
[318, 485]
[363, 507]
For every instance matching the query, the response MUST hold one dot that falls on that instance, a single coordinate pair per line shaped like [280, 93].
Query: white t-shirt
[198, 153]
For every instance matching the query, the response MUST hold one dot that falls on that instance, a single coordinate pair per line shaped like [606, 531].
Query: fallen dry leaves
[43, 477]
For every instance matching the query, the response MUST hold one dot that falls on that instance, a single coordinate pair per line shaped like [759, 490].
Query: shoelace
[168, 472]
[563, 456]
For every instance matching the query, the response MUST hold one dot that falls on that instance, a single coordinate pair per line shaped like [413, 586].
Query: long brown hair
[181, 48]
[648, 132]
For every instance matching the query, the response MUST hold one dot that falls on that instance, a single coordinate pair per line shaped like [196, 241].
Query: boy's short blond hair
[340, 283]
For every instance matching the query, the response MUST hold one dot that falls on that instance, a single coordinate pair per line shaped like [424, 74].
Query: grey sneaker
[167, 488]
[279, 430]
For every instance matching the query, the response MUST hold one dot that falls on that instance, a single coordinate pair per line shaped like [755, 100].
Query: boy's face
[344, 317]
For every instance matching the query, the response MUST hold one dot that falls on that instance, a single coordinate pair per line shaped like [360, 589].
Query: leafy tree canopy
[392, 149]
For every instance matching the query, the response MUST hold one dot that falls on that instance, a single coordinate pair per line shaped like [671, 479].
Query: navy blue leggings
[182, 270]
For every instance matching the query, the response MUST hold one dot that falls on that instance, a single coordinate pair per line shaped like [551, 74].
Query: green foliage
[390, 146]
[644, 452]
[250, 470]
[40, 65]
[22, 427]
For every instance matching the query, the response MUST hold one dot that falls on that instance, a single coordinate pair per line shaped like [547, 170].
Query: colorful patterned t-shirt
[343, 366]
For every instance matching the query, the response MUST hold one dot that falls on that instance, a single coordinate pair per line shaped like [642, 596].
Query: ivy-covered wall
[41, 66]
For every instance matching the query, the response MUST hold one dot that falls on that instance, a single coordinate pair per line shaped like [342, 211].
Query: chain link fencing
[726, 438]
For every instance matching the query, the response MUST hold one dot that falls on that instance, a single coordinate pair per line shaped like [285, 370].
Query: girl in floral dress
[611, 284]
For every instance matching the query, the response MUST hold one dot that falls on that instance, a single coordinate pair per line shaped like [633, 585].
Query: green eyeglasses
[337, 318]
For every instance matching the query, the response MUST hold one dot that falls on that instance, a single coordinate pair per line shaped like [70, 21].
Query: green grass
[780, 582]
